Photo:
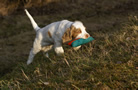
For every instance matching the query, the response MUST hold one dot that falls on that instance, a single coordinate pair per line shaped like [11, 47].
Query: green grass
[109, 62]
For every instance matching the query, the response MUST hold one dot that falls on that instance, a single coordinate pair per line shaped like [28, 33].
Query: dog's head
[77, 30]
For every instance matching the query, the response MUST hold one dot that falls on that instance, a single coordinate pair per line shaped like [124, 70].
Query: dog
[54, 35]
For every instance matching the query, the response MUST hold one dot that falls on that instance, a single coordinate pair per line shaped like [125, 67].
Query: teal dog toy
[80, 41]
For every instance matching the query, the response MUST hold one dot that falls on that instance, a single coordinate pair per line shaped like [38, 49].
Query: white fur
[56, 29]
[34, 24]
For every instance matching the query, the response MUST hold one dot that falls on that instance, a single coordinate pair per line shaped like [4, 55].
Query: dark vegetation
[109, 62]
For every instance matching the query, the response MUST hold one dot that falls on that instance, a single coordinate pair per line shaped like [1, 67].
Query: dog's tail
[34, 24]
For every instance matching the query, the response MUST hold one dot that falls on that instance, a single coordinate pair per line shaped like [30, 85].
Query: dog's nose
[87, 35]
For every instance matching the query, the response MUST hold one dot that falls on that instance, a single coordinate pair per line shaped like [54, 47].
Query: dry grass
[109, 62]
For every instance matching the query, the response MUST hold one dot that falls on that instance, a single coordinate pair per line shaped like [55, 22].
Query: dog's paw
[76, 48]
[29, 62]
[59, 51]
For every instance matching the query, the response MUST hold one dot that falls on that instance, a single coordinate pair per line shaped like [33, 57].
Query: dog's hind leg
[36, 48]
[46, 49]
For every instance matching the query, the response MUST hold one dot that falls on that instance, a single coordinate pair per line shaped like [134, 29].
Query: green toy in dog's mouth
[80, 41]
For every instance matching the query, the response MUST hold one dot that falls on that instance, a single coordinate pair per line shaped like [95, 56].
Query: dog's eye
[78, 31]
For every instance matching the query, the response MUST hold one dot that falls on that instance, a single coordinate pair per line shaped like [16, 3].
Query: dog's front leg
[58, 48]
[76, 48]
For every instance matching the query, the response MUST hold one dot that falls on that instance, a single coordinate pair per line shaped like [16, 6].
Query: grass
[109, 62]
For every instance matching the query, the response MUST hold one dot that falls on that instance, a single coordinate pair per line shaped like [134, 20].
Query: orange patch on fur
[49, 34]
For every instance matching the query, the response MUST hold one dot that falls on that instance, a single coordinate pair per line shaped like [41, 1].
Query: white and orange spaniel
[54, 35]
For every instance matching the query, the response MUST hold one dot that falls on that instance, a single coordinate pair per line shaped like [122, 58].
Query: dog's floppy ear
[70, 33]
